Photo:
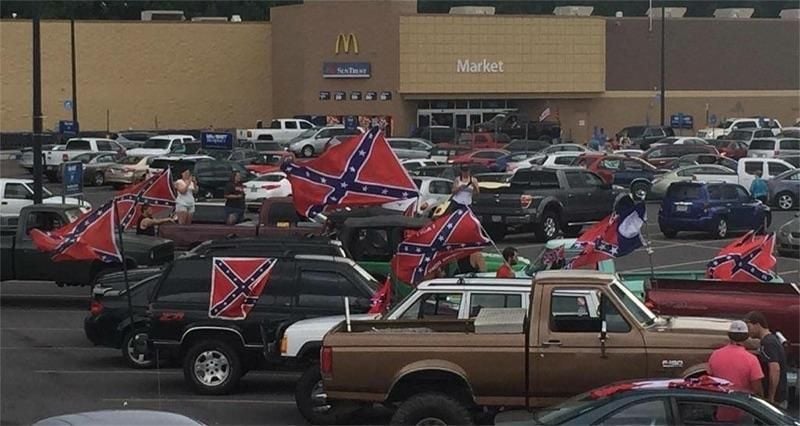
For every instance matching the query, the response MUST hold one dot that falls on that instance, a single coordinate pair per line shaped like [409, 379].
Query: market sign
[346, 69]
[482, 66]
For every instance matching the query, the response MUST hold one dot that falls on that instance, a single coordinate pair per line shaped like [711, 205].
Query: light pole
[74, 73]
[37, 108]
[663, 78]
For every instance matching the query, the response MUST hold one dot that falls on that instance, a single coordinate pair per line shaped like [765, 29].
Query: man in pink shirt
[735, 364]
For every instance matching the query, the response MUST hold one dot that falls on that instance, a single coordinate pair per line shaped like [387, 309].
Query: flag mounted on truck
[90, 237]
[615, 236]
[749, 258]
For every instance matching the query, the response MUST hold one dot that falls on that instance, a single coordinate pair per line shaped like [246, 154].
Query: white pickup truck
[726, 127]
[163, 145]
[75, 147]
[746, 167]
[279, 130]
[18, 193]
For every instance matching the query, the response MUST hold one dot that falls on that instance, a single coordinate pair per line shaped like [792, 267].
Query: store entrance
[462, 115]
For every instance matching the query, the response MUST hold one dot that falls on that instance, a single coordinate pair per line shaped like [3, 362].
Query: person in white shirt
[464, 188]
[184, 201]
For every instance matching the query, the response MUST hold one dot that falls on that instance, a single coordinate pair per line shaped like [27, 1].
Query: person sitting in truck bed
[147, 223]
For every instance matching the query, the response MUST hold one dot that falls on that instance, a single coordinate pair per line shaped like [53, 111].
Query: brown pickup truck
[583, 329]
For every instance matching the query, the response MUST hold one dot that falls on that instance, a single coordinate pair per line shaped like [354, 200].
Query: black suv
[212, 175]
[644, 136]
[546, 201]
[217, 353]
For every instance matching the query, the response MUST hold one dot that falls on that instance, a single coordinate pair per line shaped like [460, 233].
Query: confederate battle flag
[156, 191]
[448, 238]
[90, 237]
[749, 258]
[615, 236]
[236, 285]
[358, 171]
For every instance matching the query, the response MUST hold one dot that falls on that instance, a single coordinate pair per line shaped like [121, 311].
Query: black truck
[547, 201]
[21, 260]
[519, 126]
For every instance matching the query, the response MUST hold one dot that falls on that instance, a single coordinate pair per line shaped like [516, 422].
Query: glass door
[461, 121]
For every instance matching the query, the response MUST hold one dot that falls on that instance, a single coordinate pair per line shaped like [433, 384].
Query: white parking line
[202, 401]
[793, 271]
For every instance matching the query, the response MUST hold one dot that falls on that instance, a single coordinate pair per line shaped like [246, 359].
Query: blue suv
[716, 208]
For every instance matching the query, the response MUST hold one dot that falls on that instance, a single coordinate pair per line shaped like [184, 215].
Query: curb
[9, 155]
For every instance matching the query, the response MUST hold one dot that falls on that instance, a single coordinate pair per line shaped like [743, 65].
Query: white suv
[731, 124]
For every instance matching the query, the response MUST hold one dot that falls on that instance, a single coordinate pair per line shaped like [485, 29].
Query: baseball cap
[737, 327]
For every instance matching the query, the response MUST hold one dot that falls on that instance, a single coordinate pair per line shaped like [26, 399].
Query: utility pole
[74, 73]
[37, 108]
[663, 65]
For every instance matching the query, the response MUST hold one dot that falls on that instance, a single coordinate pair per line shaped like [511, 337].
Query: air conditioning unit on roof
[472, 10]
[573, 11]
[163, 15]
[669, 12]
[734, 12]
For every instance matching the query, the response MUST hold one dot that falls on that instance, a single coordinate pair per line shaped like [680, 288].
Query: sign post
[72, 180]
[216, 140]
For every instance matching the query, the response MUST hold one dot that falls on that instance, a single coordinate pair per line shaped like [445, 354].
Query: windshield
[78, 145]
[725, 124]
[633, 132]
[307, 134]
[740, 135]
[130, 160]
[156, 143]
[642, 314]
[373, 284]
[568, 409]
[765, 144]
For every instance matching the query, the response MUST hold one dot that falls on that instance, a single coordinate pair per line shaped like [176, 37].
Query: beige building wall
[182, 75]
[501, 54]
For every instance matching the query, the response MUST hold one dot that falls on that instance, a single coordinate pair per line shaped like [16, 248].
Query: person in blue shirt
[759, 188]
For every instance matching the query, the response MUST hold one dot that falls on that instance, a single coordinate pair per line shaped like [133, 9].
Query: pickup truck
[21, 260]
[546, 200]
[75, 147]
[163, 145]
[18, 193]
[745, 169]
[448, 371]
[518, 126]
[726, 127]
[279, 130]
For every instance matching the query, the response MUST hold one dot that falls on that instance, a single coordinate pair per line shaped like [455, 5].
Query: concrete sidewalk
[9, 155]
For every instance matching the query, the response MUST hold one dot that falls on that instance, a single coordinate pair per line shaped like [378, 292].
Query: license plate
[497, 218]
[681, 208]
[283, 224]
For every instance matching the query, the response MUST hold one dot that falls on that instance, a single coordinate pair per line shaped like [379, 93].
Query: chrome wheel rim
[640, 192]
[319, 399]
[785, 201]
[212, 368]
[549, 227]
[98, 179]
[722, 228]
[431, 421]
[308, 151]
[142, 359]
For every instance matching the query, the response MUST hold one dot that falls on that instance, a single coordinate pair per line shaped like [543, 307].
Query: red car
[269, 161]
[485, 157]
[616, 169]
[477, 140]
[730, 149]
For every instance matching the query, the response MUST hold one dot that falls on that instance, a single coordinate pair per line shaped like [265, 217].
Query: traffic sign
[68, 104]
[72, 177]
[68, 127]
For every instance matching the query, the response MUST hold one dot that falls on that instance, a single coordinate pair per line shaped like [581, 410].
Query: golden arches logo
[346, 42]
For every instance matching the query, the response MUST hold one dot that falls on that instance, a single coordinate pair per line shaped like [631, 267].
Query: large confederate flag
[156, 191]
[236, 285]
[90, 237]
[359, 171]
[749, 258]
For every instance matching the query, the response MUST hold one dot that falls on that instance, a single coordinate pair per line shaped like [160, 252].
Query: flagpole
[120, 228]
[648, 248]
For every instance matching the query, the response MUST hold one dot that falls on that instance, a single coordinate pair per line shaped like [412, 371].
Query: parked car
[486, 157]
[312, 142]
[662, 155]
[747, 135]
[18, 193]
[629, 152]
[95, 165]
[790, 132]
[715, 208]
[561, 147]
[784, 190]
[746, 167]
[212, 175]
[657, 402]
[526, 146]
[477, 140]
[773, 147]
[163, 145]
[262, 146]
[448, 171]
[127, 170]
[788, 238]
[545, 200]
[415, 164]
[436, 134]
[794, 160]
[408, 148]
[280, 130]
[75, 147]
[709, 172]
[269, 161]
[730, 148]
[680, 140]
[268, 185]
[560, 158]
[730, 125]
[242, 156]
[432, 192]
[501, 164]
[444, 152]
[695, 159]
[632, 173]
[131, 140]
[519, 126]
[643, 136]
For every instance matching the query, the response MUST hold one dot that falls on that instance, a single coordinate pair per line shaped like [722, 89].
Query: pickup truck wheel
[307, 151]
[212, 367]
[432, 408]
[548, 227]
[669, 233]
[640, 190]
[134, 360]
[785, 201]
[312, 402]
[720, 228]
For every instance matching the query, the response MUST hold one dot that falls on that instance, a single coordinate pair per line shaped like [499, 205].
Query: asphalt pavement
[48, 367]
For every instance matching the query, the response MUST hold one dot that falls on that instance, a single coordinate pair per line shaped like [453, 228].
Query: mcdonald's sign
[346, 42]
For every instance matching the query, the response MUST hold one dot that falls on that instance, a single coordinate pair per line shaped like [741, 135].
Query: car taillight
[96, 308]
[64, 157]
[525, 200]
[271, 186]
[326, 361]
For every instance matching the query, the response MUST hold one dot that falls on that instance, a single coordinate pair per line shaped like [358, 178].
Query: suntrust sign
[480, 67]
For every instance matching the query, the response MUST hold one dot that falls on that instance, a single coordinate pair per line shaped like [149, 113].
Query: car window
[745, 125]
[564, 160]
[751, 167]
[793, 176]
[478, 301]
[685, 192]
[575, 180]
[633, 165]
[84, 158]
[776, 168]
[106, 158]
[715, 193]
[290, 125]
[371, 244]
[16, 191]
[570, 312]
[765, 144]
[656, 153]
[399, 144]
[535, 178]
[304, 125]
[741, 193]
[652, 413]
[324, 133]
[43, 221]
[791, 144]
[728, 192]
[187, 281]
[441, 187]
[78, 145]
[763, 133]
[714, 171]
[434, 306]
[104, 146]
[591, 180]
[325, 289]
[713, 413]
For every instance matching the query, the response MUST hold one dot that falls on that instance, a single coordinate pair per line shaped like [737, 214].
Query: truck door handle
[551, 342]
[5, 203]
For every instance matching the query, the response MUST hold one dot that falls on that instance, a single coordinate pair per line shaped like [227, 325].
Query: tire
[785, 201]
[307, 151]
[496, 232]
[639, 190]
[220, 364]
[548, 226]
[143, 361]
[720, 228]
[668, 232]
[99, 179]
[311, 404]
[432, 408]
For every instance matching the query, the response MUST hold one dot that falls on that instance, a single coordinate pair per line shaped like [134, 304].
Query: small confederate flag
[615, 236]
[236, 285]
[90, 237]
[382, 298]
[749, 258]
[447, 239]
[156, 191]
[359, 171]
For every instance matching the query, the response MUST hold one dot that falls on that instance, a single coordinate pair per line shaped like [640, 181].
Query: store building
[385, 63]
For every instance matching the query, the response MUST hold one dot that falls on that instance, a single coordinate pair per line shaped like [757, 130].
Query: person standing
[184, 201]
[510, 259]
[147, 224]
[772, 357]
[234, 199]
[735, 364]
[759, 188]
[464, 188]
